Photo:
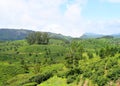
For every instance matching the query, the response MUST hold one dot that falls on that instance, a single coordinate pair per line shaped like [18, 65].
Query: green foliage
[108, 51]
[37, 38]
[90, 55]
[94, 62]
[41, 77]
[55, 81]
[73, 56]
[8, 71]
[19, 80]
[30, 84]
[70, 79]
[73, 75]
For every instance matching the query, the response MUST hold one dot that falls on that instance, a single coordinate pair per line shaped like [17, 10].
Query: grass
[55, 81]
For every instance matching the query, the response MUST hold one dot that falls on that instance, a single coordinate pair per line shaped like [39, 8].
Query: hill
[116, 35]
[94, 62]
[7, 34]
[13, 34]
[91, 35]
[94, 35]
[107, 37]
[19, 34]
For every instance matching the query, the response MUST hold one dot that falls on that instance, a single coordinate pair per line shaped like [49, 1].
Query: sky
[68, 17]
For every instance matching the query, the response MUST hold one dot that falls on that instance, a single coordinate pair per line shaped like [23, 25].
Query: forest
[42, 61]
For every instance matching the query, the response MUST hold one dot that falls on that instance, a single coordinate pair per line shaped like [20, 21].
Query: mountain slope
[59, 36]
[116, 35]
[94, 35]
[19, 34]
[91, 35]
[13, 34]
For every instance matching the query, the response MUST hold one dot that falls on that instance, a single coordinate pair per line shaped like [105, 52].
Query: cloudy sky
[68, 17]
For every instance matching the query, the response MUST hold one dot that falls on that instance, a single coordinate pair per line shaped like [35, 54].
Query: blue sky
[68, 17]
[96, 9]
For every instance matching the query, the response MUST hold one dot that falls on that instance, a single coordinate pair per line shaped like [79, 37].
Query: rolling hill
[94, 35]
[13, 34]
[19, 34]
[91, 35]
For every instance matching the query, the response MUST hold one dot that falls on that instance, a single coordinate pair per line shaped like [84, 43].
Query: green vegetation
[81, 62]
[38, 38]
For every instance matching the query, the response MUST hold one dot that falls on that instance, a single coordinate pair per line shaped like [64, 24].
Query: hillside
[116, 35]
[94, 35]
[90, 35]
[94, 62]
[13, 34]
[19, 34]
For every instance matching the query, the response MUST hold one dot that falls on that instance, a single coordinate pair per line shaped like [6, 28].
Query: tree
[102, 53]
[90, 55]
[45, 38]
[74, 55]
[24, 65]
[31, 38]
[38, 38]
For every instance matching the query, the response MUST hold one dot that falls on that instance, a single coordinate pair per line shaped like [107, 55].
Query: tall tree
[74, 55]
[38, 38]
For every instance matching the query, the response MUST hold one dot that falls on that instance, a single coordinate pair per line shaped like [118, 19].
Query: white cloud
[103, 26]
[46, 15]
[112, 1]
[73, 13]
[42, 15]
[116, 1]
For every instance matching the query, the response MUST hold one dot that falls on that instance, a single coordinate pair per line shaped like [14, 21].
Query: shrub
[31, 84]
[41, 77]
[70, 79]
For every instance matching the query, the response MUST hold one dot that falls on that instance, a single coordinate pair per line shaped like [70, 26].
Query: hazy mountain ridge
[13, 34]
[19, 34]
[116, 35]
[59, 36]
[91, 35]
[94, 35]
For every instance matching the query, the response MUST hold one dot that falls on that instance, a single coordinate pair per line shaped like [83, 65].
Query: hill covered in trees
[19, 34]
[13, 34]
[90, 62]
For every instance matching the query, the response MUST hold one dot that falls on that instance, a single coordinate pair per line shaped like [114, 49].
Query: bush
[114, 74]
[31, 84]
[90, 55]
[74, 71]
[70, 79]
[101, 80]
[41, 77]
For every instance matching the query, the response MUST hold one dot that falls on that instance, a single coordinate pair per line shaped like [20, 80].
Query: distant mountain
[116, 35]
[13, 34]
[19, 34]
[91, 35]
[59, 36]
[94, 35]
[107, 37]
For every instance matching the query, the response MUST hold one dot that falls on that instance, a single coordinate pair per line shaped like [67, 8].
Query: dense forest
[40, 60]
